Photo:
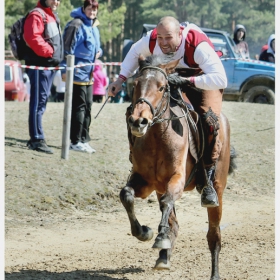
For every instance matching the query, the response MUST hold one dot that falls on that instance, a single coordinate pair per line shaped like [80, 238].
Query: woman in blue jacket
[81, 39]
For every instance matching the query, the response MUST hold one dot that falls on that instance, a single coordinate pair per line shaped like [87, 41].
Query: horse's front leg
[127, 194]
[162, 240]
[163, 261]
[168, 227]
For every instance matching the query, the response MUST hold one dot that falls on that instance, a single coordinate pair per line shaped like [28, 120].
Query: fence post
[67, 107]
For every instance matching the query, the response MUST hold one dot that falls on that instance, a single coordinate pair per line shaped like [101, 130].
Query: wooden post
[67, 107]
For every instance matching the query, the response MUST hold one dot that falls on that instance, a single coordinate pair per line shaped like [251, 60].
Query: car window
[220, 44]
[8, 73]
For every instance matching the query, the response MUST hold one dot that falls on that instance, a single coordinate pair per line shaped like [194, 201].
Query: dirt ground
[64, 220]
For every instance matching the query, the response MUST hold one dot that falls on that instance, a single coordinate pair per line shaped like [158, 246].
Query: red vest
[193, 39]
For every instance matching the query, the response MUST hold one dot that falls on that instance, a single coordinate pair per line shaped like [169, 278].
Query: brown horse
[159, 142]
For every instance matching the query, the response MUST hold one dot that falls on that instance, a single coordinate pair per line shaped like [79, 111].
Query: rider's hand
[115, 87]
[179, 81]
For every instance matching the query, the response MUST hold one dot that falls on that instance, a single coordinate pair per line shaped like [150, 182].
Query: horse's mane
[154, 60]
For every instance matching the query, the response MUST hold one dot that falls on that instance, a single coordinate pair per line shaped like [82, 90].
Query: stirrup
[209, 197]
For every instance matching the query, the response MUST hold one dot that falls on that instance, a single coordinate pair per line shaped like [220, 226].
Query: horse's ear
[141, 57]
[170, 67]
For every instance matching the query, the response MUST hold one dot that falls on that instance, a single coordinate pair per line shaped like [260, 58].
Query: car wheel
[260, 94]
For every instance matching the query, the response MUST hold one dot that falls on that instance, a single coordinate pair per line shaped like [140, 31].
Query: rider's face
[168, 38]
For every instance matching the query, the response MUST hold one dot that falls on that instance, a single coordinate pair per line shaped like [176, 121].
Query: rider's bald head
[170, 22]
[169, 34]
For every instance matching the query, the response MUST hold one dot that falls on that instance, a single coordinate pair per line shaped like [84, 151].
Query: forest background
[120, 19]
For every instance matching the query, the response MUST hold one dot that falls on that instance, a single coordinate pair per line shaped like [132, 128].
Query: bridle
[160, 109]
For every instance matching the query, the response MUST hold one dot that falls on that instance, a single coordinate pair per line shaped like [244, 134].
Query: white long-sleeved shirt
[205, 57]
[58, 83]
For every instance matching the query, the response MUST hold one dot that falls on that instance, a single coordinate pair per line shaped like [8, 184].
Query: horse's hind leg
[143, 233]
[163, 262]
[215, 215]
[214, 240]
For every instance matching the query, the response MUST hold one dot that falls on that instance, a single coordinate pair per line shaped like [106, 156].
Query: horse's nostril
[131, 120]
[142, 122]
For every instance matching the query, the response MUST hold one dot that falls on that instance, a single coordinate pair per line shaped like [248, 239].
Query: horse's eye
[161, 88]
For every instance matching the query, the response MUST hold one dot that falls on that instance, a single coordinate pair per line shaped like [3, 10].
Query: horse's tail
[232, 163]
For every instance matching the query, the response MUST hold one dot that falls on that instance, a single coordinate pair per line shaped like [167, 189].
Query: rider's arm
[214, 76]
[130, 63]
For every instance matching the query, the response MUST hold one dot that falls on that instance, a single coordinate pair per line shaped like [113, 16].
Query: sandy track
[78, 242]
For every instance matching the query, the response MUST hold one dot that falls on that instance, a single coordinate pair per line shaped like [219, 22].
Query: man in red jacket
[43, 36]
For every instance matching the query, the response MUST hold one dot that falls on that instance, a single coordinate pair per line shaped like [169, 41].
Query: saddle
[196, 136]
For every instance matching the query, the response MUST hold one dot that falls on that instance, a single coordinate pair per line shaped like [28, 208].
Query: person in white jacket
[59, 87]
[206, 82]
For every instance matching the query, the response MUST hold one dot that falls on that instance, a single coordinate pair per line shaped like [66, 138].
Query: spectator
[27, 86]
[269, 54]
[113, 77]
[239, 39]
[193, 49]
[264, 48]
[59, 87]
[81, 40]
[42, 35]
[100, 83]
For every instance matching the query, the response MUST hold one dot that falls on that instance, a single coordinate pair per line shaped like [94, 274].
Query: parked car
[15, 89]
[248, 80]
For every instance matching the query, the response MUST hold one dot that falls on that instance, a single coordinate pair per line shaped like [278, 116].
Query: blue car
[249, 80]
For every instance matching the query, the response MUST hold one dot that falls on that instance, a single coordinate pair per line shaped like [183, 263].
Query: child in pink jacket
[100, 83]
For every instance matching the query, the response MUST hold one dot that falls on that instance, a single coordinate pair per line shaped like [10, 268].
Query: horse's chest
[155, 163]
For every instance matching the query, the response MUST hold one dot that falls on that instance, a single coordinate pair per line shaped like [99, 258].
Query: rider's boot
[209, 197]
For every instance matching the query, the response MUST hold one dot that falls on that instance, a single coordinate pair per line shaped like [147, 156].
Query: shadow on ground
[103, 274]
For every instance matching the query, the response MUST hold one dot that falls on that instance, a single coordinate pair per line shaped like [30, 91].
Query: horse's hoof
[162, 264]
[162, 243]
[146, 234]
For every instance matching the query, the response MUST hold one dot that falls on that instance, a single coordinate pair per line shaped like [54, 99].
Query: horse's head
[151, 92]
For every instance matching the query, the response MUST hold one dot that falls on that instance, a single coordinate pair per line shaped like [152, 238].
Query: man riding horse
[205, 82]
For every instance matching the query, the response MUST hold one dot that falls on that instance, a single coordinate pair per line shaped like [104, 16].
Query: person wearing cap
[81, 39]
[239, 39]
[190, 45]
[268, 54]
[43, 37]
